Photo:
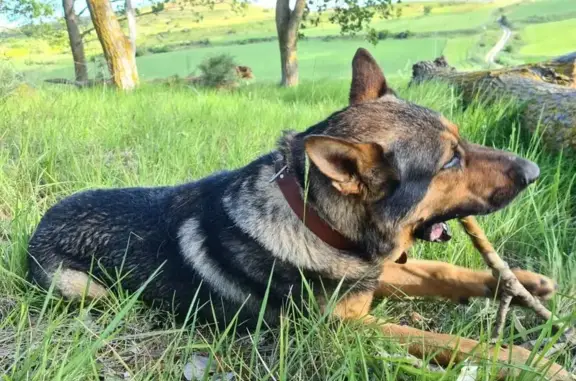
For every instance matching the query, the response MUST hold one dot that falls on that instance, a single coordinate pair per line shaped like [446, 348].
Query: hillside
[174, 41]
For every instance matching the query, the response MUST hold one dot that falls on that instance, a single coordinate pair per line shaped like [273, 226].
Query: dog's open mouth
[433, 232]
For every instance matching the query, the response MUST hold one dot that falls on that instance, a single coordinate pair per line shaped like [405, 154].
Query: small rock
[197, 367]
[468, 373]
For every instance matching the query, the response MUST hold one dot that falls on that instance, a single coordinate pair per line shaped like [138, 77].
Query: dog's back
[122, 236]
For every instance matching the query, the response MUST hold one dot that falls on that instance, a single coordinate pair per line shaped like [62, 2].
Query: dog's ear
[352, 167]
[368, 82]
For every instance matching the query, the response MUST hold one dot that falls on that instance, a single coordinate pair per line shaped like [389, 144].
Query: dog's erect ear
[349, 165]
[368, 82]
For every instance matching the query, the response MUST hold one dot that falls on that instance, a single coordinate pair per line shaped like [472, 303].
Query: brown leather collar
[291, 191]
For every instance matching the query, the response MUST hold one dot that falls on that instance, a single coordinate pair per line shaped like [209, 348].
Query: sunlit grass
[56, 142]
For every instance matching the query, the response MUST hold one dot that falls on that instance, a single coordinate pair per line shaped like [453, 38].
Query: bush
[218, 71]
[141, 51]
[427, 10]
[383, 34]
[372, 36]
[504, 21]
[508, 49]
[404, 35]
[159, 49]
[157, 8]
[10, 79]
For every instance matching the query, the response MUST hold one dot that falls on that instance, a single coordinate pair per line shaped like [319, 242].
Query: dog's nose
[528, 171]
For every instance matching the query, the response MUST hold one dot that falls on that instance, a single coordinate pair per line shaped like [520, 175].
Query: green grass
[316, 59]
[534, 45]
[528, 11]
[55, 142]
[174, 27]
[456, 30]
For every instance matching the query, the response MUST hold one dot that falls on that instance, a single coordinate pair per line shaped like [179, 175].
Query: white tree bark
[132, 32]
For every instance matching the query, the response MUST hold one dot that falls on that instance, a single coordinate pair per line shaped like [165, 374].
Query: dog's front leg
[442, 348]
[440, 279]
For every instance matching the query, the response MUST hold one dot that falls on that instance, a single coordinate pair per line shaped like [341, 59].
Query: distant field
[317, 59]
[458, 51]
[541, 10]
[561, 38]
[174, 42]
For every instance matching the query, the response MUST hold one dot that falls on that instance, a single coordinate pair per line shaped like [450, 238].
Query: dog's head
[403, 167]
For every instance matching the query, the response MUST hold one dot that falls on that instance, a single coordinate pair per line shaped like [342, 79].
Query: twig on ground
[511, 286]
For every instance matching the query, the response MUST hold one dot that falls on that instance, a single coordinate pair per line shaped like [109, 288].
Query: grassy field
[528, 11]
[535, 46]
[174, 42]
[54, 142]
[317, 59]
[223, 30]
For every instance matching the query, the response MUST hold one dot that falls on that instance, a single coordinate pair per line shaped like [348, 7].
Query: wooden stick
[511, 286]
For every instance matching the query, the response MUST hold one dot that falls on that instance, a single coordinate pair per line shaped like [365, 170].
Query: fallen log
[547, 91]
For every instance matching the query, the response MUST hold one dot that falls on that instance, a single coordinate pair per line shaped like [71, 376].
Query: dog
[338, 206]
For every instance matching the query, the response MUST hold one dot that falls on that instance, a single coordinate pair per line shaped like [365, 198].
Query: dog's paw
[538, 285]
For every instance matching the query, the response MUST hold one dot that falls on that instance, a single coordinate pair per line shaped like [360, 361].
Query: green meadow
[317, 59]
[176, 40]
[55, 140]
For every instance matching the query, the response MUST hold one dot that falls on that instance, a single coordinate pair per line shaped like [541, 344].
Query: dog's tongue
[438, 232]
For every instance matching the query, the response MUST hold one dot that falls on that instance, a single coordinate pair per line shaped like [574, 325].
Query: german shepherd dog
[339, 204]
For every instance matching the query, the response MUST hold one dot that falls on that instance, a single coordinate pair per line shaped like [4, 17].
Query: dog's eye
[454, 162]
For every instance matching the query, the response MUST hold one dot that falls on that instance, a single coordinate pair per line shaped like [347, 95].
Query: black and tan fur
[378, 174]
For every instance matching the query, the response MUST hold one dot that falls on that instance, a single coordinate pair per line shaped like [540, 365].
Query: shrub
[427, 10]
[141, 51]
[157, 8]
[504, 21]
[219, 70]
[383, 34]
[159, 49]
[404, 35]
[508, 49]
[372, 36]
[10, 79]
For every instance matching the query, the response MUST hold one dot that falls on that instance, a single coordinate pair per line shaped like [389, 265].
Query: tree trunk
[287, 26]
[131, 17]
[115, 45]
[76, 43]
[546, 89]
